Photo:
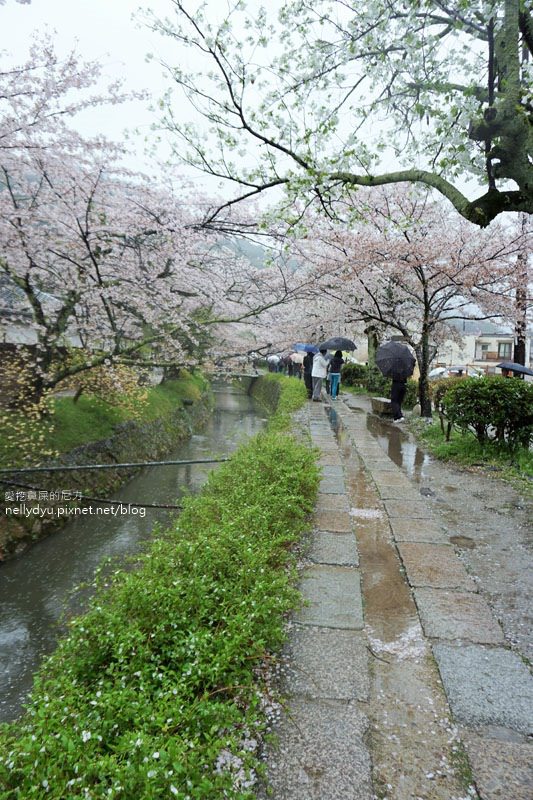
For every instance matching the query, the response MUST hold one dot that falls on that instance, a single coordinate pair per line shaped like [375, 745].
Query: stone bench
[381, 406]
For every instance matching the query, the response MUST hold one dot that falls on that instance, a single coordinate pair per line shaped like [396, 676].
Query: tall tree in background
[109, 259]
[103, 258]
[523, 295]
[414, 269]
[336, 95]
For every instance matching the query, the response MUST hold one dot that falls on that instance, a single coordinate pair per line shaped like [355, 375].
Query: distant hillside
[257, 255]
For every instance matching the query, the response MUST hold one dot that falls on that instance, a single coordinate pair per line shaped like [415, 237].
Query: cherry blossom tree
[103, 257]
[42, 94]
[414, 269]
[111, 260]
[335, 95]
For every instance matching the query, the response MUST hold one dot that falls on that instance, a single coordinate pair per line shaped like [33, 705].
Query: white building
[483, 346]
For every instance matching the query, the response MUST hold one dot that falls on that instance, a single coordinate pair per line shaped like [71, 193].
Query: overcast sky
[107, 31]
[103, 30]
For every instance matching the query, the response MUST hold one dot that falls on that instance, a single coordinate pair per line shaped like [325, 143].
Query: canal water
[36, 588]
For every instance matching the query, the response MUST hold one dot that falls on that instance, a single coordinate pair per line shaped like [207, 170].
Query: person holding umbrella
[397, 394]
[318, 373]
[511, 369]
[334, 369]
[395, 360]
[308, 368]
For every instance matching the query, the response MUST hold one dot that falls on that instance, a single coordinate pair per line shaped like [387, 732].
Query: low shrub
[354, 374]
[156, 691]
[464, 449]
[437, 391]
[493, 408]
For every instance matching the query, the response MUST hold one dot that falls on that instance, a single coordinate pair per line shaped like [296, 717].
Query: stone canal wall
[131, 441]
[263, 389]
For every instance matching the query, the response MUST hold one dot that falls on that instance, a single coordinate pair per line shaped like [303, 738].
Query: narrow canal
[35, 587]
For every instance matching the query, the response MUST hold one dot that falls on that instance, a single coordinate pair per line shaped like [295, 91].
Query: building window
[481, 351]
[505, 350]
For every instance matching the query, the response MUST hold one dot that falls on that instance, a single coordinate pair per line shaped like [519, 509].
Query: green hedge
[156, 692]
[493, 408]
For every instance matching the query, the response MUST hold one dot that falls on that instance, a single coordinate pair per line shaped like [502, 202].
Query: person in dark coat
[398, 390]
[308, 367]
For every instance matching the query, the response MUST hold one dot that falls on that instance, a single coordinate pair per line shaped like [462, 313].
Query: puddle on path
[397, 445]
[389, 607]
[412, 738]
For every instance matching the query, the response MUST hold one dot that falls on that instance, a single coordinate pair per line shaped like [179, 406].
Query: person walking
[318, 373]
[398, 390]
[308, 380]
[273, 361]
[334, 371]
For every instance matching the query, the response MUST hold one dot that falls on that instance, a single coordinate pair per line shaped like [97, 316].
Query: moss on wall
[266, 390]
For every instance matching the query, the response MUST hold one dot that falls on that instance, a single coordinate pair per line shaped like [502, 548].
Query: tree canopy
[413, 269]
[335, 95]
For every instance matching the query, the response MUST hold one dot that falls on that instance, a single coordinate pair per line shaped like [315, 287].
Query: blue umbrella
[300, 347]
[513, 366]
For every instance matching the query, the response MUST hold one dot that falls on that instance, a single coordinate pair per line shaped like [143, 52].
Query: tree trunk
[372, 343]
[519, 350]
[31, 367]
[422, 353]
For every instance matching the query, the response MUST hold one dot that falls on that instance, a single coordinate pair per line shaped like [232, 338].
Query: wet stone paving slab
[332, 502]
[457, 615]
[334, 519]
[434, 565]
[334, 548]
[326, 663]
[407, 509]
[334, 597]
[398, 675]
[320, 753]
[409, 530]
[503, 769]
[332, 486]
[487, 686]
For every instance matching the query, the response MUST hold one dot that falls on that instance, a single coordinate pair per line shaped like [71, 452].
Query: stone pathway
[398, 680]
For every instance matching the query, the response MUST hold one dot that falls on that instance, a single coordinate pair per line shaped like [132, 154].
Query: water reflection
[399, 447]
[34, 588]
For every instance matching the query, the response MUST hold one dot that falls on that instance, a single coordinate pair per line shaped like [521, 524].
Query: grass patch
[355, 389]
[163, 399]
[156, 691]
[464, 449]
[286, 394]
[87, 420]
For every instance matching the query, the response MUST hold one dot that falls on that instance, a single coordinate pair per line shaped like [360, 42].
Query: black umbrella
[514, 367]
[338, 343]
[395, 360]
